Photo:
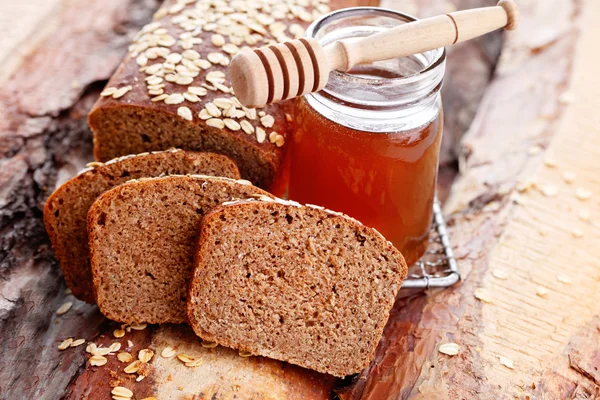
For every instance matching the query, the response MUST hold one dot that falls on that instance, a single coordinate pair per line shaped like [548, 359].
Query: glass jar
[368, 144]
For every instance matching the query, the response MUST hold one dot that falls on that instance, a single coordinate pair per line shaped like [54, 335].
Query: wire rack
[437, 268]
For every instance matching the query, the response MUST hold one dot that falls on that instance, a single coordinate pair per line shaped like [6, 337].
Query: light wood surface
[261, 78]
[533, 331]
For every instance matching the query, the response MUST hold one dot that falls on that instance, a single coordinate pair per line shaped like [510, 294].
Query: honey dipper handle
[422, 35]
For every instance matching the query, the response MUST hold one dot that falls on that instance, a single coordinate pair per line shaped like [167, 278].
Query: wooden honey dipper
[296, 67]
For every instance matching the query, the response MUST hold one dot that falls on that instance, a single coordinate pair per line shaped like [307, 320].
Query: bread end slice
[66, 209]
[296, 283]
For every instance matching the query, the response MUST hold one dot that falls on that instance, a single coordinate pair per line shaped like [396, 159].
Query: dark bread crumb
[298, 284]
[141, 238]
[66, 210]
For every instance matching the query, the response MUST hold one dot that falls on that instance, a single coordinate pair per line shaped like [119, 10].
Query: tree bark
[50, 79]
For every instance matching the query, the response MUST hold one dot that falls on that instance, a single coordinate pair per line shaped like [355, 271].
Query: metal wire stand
[437, 268]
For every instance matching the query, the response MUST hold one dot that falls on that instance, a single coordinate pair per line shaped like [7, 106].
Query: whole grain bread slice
[66, 210]
[295, 283]
[142, 236]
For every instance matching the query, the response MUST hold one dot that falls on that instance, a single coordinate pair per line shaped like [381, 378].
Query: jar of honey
[368, 144]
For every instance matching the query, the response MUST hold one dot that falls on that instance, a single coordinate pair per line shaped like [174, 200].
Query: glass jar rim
[439, 53]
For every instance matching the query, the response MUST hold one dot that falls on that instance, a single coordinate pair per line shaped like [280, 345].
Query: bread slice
[66, 210]
[299, 284]
[142, 236]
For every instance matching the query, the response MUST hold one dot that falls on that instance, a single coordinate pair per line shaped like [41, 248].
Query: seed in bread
[298, 284]
[142, 236]
[66, 210]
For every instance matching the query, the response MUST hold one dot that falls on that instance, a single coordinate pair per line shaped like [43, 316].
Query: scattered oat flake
[175, 98]
[65, 307]
[145, 355]
[215, 123]
[191, 97]
[124, 357]
[185, 358]
[119, 333]
[213, 109]
[450, 349]
[77, 342]
[204, 115]
[65, 344]
[577, 233]
[566, 98]
[242, 353]
[101, 351]
[507, 362]
[279, 141]
[122, 391]
[272, 137]
[267, 121]
[140, 378]
[194, 363]
[121, 92]
[197, 90]
[534, 150]
[549, 190]
[261, 135]
[483, 295]
[159, 98]
[167, 352]
[129, 343]
[569, 176]
[185, 113]
[90, 348]
[583, 194]
[217, 40]
[209, 345]
[109, 91]
[584, 214]
[499, 274]
[563, 279]
[542, 291]
[98, 361]
[232, 124]
[133, 367]
[114, 347]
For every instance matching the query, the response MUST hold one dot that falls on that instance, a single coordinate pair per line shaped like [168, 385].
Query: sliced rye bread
[142, 236]
[66, 210]
[295, 283]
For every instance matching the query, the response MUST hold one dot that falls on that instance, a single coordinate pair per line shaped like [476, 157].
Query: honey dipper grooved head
[279, 72]
[512, 13]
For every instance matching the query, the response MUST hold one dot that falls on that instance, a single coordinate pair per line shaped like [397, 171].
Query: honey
[386, 181]
[368, 144]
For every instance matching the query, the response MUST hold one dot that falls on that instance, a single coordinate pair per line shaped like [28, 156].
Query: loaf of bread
[172, 89]
[66, 210]
[299, 284]
[142, 236]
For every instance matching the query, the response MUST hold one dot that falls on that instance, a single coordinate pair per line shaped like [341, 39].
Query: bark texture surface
[538, 99]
